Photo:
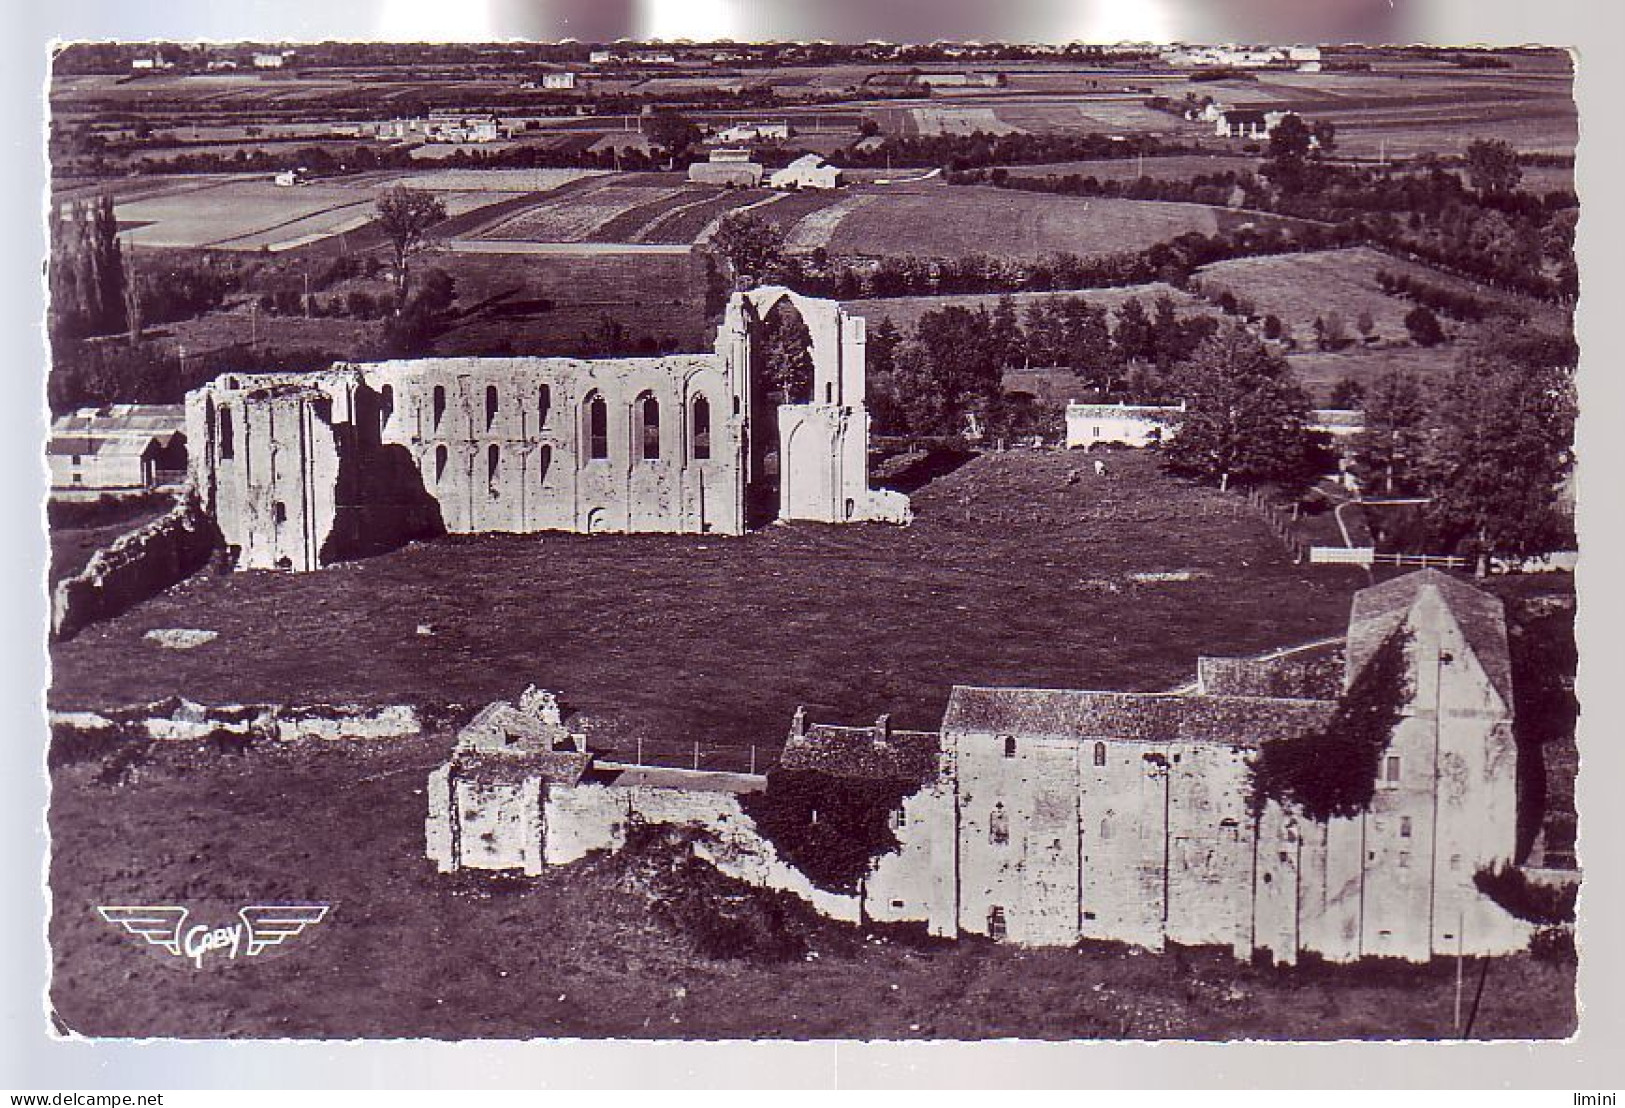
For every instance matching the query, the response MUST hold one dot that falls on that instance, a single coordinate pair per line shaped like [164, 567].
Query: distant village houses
[754, 132]
[1247, 123]
[1141, 425]
[559, 81]
[268, 60]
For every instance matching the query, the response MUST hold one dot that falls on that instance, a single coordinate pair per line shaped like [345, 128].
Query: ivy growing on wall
[1333, 771]
[830, 828]
[1529, 901]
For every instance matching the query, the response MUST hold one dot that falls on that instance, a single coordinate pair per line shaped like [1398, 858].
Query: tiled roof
[1379, 610]
[1146, 717]
[857, 752]
[1314, 673]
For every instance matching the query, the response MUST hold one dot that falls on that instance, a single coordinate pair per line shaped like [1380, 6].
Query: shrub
[830, 828]
[1530, 901]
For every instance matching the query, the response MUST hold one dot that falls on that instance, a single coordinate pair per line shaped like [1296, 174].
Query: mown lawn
[1010, 574]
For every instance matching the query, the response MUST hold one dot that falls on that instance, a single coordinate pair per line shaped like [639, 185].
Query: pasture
[941, 220]
[1009, 575]
[1320, 371]
[1299, 288]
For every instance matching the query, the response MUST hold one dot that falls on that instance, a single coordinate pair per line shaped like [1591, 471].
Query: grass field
[1177, 167]
[583, 950]
[1009, 575]
[942, 220]
[1299, 288]
[1320, 371]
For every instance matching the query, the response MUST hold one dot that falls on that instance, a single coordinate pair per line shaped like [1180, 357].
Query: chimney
[798, 722]
[883, 728]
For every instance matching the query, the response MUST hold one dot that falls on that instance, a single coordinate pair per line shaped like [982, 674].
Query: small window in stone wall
[441, 456]
[895, 819]
[597, 428]
[386, 407]
[279, 513]
[1106, 827]
[1100, 754]
[702, 429]
[544, 403]
[1404, 827]
[228, 443]
[998, 826]
[649, 419]
[544, 462]
[1404, 859]
[995, 923]
[1391, 769]
[1009, 746]
[491, 402]
[439, 405]
[493, 466]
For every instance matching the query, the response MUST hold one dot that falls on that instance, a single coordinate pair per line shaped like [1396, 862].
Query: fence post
[753, 759]
[640, 750]
[696, 755]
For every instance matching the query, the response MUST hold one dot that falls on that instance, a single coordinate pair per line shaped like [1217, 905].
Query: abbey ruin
[302, 469]
[1048, 816]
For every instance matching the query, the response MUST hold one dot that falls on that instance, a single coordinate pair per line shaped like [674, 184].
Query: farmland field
[1299, 288]
[944, 220]
[578, 216]
[1177, 167]
[1320, 371]
[252, 212]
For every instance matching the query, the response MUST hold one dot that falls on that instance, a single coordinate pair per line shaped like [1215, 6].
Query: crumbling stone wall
[137, 565]
[301, 470]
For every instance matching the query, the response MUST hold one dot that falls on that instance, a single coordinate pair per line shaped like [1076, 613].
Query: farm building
[1144, 424]
[1045, 817]
[267, 60]
[561, 80]
[960, 80]
[124, 447]
[753, 132]
[1247, 123]
[626, 142]
[727, 167]
[807, 172]
[302, 469]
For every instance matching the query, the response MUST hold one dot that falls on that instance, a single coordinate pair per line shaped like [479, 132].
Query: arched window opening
[649, 421]
[439, 405]
[1009, 746]
[279, 513]
[702, 429]
[490, 406]
[493, 463]
[1100, 754]
[386, 407]
[998, 826]
[228, 445]
[544, 462]
[544, 403]
[440, 457]
[597, 428]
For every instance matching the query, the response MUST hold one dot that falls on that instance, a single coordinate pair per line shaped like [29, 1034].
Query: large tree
[949, 368]
[87, 273]
[1492, 166]
[406, 215]
[1245, 417]
[1502, 446]
[752, 246]
[1388, 451]
[672, 132]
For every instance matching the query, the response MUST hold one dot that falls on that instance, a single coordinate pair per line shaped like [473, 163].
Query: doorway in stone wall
[781, 372]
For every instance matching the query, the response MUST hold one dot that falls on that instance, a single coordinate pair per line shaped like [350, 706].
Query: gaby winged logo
[263, 925]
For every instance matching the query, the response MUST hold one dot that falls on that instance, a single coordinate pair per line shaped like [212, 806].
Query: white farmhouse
[807, 172]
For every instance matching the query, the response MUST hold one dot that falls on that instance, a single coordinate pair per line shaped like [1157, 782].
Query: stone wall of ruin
[135, 566]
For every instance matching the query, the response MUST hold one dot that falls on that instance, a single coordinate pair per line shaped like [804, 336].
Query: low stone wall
[136, 566]
[183, 720]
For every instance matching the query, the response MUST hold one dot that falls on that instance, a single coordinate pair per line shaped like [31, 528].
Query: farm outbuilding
[120, 448]
[727, 167]
[807, 172]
